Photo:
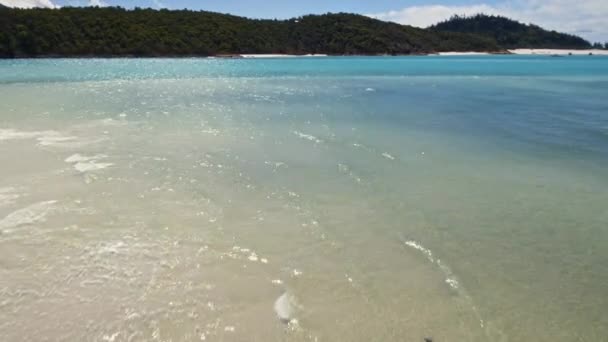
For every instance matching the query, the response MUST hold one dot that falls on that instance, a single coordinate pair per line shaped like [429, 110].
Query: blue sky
[587, 18]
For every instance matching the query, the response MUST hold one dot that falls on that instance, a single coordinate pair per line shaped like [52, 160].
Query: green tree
[511, 34]
[115, 31]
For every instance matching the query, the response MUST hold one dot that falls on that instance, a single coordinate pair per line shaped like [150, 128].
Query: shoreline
[550, 52]
[278, 55]
[522, 52]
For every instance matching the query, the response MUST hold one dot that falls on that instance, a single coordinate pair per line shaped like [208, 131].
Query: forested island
[116, 32]
[511, 34]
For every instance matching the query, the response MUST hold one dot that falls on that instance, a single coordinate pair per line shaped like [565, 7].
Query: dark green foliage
[113, 31]
[510, 34]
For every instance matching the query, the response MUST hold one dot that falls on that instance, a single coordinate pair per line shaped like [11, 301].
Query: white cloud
[423, 16]
[98, 3]
[586, 18]
[158, 4]
[28, 3]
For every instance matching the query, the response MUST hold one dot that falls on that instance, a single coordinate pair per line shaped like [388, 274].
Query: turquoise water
[49, 70]
[329, 199]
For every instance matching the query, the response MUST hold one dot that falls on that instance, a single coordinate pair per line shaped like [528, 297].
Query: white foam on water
[13, 134]
[91, 166]
[110, 122]
[111, 338]
[44, 138]
[8, 196]
[76, 158]
[211, 131]
[56, 140]
[453, 283]
[115, 247]
[427, 252]
[284, 307]
[370, 89]
[253, 257]
[240, 253]
[275, 165]
[32, 214]
[345, 169]
[449, 277]
[388, 156]
[84, 163]
[308, 137]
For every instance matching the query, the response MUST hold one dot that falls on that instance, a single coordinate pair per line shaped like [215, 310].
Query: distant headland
[118, 32]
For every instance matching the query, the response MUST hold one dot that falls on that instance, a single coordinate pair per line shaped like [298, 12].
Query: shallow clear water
[329, 199]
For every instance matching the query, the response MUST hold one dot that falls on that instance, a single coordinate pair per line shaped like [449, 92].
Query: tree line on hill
[112, 31]
[115, 31]
[511, 34]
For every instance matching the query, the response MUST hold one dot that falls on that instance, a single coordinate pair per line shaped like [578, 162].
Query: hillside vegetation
[511, 34]
[115, 31]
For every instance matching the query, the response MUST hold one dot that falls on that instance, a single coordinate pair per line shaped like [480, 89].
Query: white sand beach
[530, 52]
[280, 55]
[558, 52]
[466, 53]
[469, 53]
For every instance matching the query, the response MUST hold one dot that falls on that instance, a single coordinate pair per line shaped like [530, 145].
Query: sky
[586, 18]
